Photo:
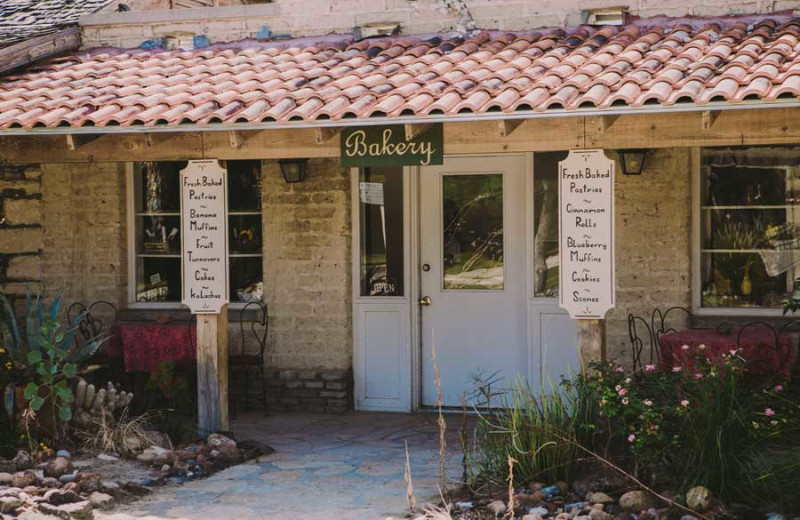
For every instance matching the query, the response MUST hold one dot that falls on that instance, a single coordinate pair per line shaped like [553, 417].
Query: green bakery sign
[388, 146]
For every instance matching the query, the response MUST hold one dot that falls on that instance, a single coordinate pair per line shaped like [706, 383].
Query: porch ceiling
[656, 65]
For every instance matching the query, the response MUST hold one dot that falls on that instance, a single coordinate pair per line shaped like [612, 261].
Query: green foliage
[46, 356]
[168, 391]
[542, 430]
[703, 423]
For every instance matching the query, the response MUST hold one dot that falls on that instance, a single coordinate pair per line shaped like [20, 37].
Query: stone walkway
[332, 467]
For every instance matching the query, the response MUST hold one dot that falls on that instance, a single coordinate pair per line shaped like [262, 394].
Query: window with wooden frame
[748, 242]
[155, 239]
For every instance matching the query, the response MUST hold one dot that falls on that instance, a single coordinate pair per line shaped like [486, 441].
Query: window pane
[381, 233]
[545, 223]
[750, 248]
[473, 231]
[157, 231]
[244, 186]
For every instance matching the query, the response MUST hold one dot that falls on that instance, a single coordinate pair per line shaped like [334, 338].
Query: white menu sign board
[587, 285]
[204, 232]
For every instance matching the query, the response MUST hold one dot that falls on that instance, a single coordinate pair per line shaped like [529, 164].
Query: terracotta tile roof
[23, 19]
[669, 63]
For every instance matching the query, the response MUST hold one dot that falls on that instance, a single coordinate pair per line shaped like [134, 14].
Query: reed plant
[541, 430]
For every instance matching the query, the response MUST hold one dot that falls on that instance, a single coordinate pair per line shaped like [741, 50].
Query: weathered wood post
[204, 259]
[587, 276]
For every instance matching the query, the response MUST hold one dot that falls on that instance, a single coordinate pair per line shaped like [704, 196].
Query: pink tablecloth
[144, 345]
[757, 346]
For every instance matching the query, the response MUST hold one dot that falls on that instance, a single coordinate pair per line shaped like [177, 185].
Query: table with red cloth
[757, 345]
[144, 345]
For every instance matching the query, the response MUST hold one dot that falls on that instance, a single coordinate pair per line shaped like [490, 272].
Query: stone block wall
[310, 390]
[21, 234]
[653, 244]
[417, 17]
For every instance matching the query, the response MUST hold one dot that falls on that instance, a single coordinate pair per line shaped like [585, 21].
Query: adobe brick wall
[653, 245]
[319, 17]
[84, 220]
[21, 236]
[307, 279]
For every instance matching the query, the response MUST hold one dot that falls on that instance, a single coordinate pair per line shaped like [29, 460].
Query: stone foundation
[309, 390]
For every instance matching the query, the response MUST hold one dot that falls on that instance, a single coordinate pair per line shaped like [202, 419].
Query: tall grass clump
[542, 430]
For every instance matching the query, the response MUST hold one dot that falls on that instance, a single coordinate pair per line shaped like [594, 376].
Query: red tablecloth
[757, 346]
[143, 345]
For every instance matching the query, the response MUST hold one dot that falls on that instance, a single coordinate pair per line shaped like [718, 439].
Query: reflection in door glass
[545, 223]
[473, 231]
[381, 233]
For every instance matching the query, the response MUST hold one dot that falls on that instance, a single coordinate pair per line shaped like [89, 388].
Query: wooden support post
[212, 372]
[507, 126]
[591, 341]
[413, 131]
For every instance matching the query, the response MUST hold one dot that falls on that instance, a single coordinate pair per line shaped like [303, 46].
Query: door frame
[535, 306]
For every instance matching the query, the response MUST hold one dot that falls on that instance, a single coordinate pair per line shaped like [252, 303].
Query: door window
[472, 253]
[381, 231]
[545, 223]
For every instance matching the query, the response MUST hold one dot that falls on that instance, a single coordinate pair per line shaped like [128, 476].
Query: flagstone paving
[342, 467]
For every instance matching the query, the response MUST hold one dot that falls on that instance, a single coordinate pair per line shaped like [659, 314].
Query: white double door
[473, 276]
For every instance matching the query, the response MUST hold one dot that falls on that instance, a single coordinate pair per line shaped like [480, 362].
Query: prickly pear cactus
[92, 405]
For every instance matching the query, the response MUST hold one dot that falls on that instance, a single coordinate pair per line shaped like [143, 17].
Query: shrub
[541, 430]
[706, 422]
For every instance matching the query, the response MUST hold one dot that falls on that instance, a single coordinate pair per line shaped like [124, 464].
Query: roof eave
[444, 118]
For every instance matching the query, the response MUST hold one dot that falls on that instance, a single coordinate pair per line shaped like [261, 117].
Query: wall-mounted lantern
[633, 161]
[293, 170]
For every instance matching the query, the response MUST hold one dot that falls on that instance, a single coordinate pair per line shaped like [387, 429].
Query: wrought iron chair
[90, 326]
[642, 342]
[771, 354]
[645, 337]
[259, 328]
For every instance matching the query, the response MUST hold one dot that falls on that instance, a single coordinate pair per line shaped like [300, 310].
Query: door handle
[425, 301]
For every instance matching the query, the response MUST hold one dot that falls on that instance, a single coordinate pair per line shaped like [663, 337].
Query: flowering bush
[700, 421]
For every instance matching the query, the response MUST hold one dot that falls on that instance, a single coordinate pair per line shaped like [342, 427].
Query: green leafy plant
[46, 356]
[706, 421]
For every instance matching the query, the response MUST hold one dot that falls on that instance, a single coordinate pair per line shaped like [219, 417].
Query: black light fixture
[633, 161]
[293, 170]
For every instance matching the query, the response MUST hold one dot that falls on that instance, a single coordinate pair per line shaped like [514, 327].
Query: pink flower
[622, 391]
[677, 369]
[631, 438]
[684, 403]
[648, 402]
[769, 412]
[685, 347]
[701, 346]
[619, 370]
[649, 368]
[778, 388]
[698, 376]
[733, 352]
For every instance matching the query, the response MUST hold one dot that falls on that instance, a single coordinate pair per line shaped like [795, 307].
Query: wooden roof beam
[75, 141]
[507, 126]
[237, 138]
[413, 130]
[323, 134]
[708, 118]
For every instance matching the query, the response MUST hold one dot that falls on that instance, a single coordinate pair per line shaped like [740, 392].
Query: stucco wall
[319, 17]
[653, 244]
